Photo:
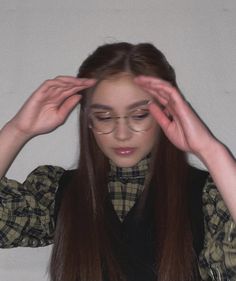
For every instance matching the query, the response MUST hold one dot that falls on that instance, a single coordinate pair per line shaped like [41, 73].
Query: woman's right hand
[49, 106]
[45, 110]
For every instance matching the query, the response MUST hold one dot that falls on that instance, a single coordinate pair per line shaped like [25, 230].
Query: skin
[51, 103]
[119, 93]
[189, 133]
[45, 110]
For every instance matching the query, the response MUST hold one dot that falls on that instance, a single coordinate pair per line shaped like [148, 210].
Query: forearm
[222, 167]
[11, 142]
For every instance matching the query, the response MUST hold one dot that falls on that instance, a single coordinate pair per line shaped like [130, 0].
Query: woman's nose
[122, 130]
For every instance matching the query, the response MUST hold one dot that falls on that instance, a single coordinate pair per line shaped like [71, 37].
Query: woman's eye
[140, 116]
[100, 118]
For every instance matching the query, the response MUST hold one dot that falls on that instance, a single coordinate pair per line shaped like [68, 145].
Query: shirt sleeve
[218, 257]
[27, 209]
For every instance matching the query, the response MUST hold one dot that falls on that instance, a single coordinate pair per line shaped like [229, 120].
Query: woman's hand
[175, 116]
[45, 110]
[186, 130]
[49, 106]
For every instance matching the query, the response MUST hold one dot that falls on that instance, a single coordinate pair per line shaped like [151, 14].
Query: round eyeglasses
[105, 122]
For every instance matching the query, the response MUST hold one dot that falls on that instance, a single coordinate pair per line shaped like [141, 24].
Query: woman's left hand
[175, 116]
[186, 130]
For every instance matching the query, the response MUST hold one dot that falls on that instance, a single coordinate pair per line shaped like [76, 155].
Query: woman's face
[120, 96]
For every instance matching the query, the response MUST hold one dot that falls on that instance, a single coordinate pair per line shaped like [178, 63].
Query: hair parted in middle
[83, 239]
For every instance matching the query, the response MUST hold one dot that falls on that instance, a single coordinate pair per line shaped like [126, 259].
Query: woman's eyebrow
[100, 106]
[138, 103]
[131, 106]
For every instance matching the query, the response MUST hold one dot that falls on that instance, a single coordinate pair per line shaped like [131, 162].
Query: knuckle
[48, 82]
[59, 77]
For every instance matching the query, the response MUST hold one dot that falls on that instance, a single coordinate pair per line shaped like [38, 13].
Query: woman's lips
[124, 151]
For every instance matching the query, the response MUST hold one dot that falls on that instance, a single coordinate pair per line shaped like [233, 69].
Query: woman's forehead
[119, 91]
[138, 104]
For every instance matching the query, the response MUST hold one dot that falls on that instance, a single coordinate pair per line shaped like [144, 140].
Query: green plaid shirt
[126, 185]
[27, 216]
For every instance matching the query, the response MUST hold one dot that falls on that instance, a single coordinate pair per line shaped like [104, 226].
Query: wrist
[11, 142]
[213, 153]
[13, 133]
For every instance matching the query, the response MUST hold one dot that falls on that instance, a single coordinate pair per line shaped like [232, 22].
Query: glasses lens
[137, 120]
[140, 120]
[102, 122]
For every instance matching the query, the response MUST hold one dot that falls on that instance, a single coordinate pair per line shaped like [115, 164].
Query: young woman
[133, 209]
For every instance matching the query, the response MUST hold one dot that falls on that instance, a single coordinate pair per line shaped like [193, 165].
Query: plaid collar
[126, 184]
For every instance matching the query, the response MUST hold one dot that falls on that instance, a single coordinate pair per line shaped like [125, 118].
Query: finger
[67, 106]
[159, 96]
[168, 114]
[150, 81]
[170, 97]
[151, 84]
[154, 83]
[76, 81]
[65, 82]
[160, 116]
[58, 91]
[72, 90]
[50, 83]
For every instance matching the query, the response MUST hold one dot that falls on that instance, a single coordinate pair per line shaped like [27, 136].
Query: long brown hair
[82, 247]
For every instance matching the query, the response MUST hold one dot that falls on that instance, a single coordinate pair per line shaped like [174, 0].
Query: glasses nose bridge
[122, 130]
[117, 121]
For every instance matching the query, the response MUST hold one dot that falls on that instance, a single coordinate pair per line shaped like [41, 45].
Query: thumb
[68, 105]
[160, 116]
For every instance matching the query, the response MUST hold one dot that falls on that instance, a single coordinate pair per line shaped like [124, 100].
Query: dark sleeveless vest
[134, 239]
